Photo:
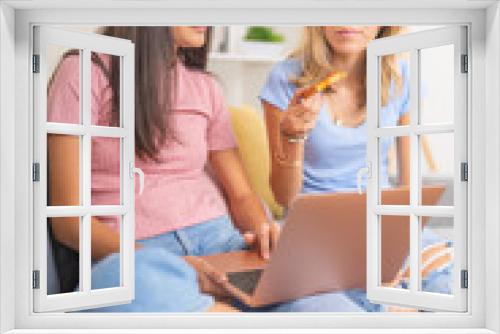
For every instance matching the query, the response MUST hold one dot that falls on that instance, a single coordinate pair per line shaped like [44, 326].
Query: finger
[296, 127]
[298, 120]
[307, 125]
[313, 104]
[298, 111]
[309, 117]
[318, 102]
[264, 240]
[249, 238]
[211, 287]
[297, 96]
[275, 234]
[311, 99]
[211, 272]
[202, 281]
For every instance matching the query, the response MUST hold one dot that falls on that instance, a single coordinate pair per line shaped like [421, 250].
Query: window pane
[436, 84]
[63, 84]
[394, 249]
[437, 167]
[63, 169]
[63, 261]
[106, 181]
[105, 85]
[436, 245]
[394, 88]
[112, 277]
[393, 182]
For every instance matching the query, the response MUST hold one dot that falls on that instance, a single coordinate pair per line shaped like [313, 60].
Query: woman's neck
[352, 63]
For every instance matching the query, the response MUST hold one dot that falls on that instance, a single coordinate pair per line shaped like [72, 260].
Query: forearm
[104, 240]
[287, 131]
[247, 212]
[286, 172]
[403, 145]
[64, 185]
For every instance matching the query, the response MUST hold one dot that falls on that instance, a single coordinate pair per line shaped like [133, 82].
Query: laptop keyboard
[246, 281]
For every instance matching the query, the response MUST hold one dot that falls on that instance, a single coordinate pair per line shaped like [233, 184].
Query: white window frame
[414, 296]
[483, 19]
[86, 43]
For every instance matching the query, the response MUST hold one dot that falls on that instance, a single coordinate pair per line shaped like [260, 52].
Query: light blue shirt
[333, 154]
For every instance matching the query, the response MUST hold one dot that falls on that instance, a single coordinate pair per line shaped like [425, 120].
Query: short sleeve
[405, 95]
[278, 90]
[220, 134]
[63, 100]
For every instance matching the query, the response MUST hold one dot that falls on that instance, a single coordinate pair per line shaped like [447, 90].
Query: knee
[163, 282]
[158, 261]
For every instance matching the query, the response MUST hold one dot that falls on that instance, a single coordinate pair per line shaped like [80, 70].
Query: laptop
[322, 248]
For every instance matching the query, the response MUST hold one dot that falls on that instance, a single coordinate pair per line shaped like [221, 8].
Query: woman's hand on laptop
[211, 280]
[263, 237]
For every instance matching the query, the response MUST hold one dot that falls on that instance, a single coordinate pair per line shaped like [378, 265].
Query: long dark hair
[154, 81]
[154, 85]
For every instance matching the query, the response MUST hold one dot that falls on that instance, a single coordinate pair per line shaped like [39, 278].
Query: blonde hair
[315, 54]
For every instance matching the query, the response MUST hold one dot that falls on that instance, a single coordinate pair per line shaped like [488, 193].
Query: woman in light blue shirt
[335, 148]
[318, 144]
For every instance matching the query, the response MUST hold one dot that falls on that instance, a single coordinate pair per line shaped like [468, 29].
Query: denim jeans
[164, 282]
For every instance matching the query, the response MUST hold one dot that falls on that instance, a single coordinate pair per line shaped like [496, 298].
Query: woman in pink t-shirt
[194, 179]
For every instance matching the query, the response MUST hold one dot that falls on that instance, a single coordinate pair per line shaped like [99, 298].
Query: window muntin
[417, 45]
[87, 137]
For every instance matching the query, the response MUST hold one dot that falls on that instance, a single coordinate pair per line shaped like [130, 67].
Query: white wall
[242, 79]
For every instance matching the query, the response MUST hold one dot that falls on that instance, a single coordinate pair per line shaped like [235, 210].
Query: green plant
[263, 34]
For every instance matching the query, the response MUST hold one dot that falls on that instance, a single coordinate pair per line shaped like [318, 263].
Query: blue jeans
[164, 282]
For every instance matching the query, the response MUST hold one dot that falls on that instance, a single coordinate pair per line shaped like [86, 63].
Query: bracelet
[293, 164]
[296, 139]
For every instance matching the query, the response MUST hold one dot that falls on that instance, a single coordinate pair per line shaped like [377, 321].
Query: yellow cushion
[249, 129]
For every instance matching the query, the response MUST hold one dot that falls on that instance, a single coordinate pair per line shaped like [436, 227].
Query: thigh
[439, 281]
[214, 236]
[163, 283]
[168, 241]
[324, 302]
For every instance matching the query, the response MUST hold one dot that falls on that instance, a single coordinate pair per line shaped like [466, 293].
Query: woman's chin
[347, 49]
[194, 43]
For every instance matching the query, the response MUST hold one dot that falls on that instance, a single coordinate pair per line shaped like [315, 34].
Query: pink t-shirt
[178, 191]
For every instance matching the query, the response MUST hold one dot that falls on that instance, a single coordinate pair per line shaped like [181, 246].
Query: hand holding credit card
[303, 109]
[324, 84]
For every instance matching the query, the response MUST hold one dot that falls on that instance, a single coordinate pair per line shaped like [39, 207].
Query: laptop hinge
[464, 279]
